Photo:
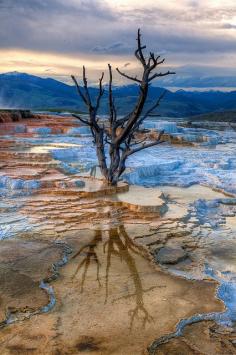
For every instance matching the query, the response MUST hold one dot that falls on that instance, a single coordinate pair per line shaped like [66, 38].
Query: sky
[56, 37]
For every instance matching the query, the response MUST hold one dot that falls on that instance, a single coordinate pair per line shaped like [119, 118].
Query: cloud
[228, 26]
[183, 31]
[118, 47]
[52, 25]
[87, 26]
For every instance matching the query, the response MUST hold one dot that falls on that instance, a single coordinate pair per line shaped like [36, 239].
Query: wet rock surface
[109, 277]
[201, 338]
[25, 264]
[170, 255]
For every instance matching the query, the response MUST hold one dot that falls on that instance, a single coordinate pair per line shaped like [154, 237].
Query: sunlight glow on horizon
[53, 63]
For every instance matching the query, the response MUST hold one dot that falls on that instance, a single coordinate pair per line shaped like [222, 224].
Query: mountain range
[24, 91]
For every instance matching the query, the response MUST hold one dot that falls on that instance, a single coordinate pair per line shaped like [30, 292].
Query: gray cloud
[195, 11]
[36, 8]
[93, 27]
[56, 25]
[115, 48]
[228, 26]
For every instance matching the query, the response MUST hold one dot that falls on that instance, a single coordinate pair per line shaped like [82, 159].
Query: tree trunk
[99, 142]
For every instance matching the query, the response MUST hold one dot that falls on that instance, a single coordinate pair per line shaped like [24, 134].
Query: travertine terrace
[79, 260]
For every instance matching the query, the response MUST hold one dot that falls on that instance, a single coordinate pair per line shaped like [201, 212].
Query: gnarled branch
[159, 75]
[86, 87]
[100, 94]
[128, 76]
[148, 145]
[86, 122]
[139, 51]
[79, 89]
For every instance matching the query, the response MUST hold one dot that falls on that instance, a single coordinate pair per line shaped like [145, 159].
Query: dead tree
[119, 133]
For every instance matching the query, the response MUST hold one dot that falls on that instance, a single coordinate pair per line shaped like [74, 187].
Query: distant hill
[24, 91]
[226, 116]
[183, 81]
[18, 90]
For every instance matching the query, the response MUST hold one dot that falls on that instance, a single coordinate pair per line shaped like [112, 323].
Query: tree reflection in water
[90, 254]
[118, 245]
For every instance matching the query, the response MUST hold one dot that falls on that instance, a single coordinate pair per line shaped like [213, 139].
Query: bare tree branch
[149, 111]
[121, 121]
[86, 122]
[101, 92]
[128, 76]
[79, 89]
[138, 142]
[159, 75]
[86, 87]
[148, 145]
[111, 105]
[139, 51]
